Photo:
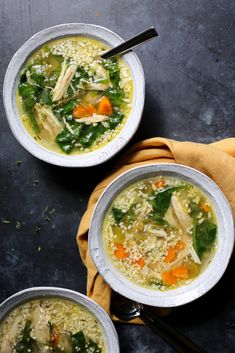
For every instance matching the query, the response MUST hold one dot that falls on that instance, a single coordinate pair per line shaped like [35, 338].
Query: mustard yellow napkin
[217, 160]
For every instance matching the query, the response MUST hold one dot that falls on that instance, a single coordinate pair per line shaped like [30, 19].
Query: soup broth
[51, 325]
[160, 232]
[72, 101]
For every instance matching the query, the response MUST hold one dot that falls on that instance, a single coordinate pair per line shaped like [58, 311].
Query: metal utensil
[126, 309]
[140, 38]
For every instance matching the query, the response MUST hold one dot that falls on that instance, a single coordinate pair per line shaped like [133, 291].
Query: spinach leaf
[82, 345]
[203, 236]
[116, 95]
[115, 119]
[68, 107]
[161, 200]
[157, 218]
[45, 97]
[65, 140]
[111, 66]
[30, 94]
[26, 343]
[117, 214]
[90, 133]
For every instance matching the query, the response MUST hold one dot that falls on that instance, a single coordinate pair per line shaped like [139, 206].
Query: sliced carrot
[120, 252]
[205, 207]
[180, 272]
[180, 245]
[160, 183]
[168, 278]
[83, 110]
[104, 106]
[140, 262]
[171, 254]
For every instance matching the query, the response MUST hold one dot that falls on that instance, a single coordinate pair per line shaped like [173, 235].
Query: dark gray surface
[190, 88]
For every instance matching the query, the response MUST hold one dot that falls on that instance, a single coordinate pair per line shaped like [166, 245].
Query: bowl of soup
[68, 106]
[46, 319]
[162, 234]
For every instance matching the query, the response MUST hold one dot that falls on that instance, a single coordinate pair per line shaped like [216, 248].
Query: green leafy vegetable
[161, 199]
[115, 119]
[26, 343]
[114, 73]
[203, 236]
[45, 97]
[65, 140]
[116, 95]
[90, 133]
[69, 106]
[82, 345]
[158, 219]
[117, 214]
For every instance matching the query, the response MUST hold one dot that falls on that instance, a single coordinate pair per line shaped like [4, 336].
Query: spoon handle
[177, 340]
[131, 43]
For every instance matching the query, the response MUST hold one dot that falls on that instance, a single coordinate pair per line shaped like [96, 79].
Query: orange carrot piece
[140, 262]
[82, 111]
[104, 106]
[170, 256]
[180, 245]
[205, 207]
[168, 278]
[180, 272]
[160, 183]
[120, 252]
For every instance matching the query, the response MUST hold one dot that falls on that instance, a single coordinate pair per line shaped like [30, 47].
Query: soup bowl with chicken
[162, 234]
[68, 106]
[47, 319]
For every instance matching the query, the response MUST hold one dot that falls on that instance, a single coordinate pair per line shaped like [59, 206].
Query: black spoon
[126, 309]
[131, 43]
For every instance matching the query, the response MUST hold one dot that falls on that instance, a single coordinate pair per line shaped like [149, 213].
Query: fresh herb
[65, 140]
[37, 228]
[45, 97]
[203, 236]
[26, 343]
[111, 66]
[119, 215]
[48, 213]
[29, 94]
[158, 219]
[18, 163]
[5, 221]
[82, 345]
[19, 225]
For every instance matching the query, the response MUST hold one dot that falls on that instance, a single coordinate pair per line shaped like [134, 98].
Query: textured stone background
[190, 88]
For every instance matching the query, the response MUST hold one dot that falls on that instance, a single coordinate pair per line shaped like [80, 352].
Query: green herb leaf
[65, 140]
[115, 119]
[204, 235]
[45, 97]
[161, 200]
[116, 95]
[26, 343]
[111, 66]
[82, 345]
[117, 214]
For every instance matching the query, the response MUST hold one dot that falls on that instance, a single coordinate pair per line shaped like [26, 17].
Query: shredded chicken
[183, 217]
[47, 120]
[194, 254]
[41, 330]
[95, 86]
[93, 119]
[63, 82]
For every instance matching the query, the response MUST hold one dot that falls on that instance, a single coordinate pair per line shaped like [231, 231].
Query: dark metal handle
[174, 338]
[131, 43]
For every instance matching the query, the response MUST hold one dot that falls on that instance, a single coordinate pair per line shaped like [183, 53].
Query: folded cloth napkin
[217, 160]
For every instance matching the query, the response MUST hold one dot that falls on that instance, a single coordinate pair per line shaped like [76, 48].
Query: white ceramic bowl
[12, 79]
[110, 335]
[200, 285]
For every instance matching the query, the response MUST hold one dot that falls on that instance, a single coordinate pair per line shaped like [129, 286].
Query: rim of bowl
[106, 324]
[201, 284]
[11, 80]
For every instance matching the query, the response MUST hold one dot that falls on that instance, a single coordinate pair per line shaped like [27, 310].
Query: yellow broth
[160, 232]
